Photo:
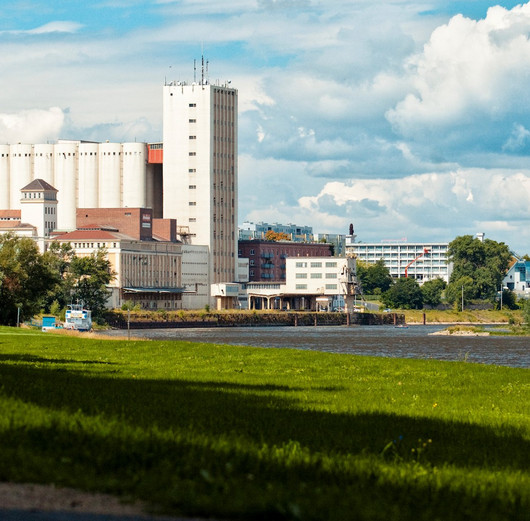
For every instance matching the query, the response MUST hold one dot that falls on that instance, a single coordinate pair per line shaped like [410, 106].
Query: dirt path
[47, 498]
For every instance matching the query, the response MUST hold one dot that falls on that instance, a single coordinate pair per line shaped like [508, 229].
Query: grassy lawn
[250, 433]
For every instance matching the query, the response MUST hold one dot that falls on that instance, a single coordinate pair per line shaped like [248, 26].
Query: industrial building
[267, 259]
[189, 180]
[312, 283]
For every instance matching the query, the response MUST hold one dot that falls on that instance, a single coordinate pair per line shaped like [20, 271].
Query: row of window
[328, 286]
[316, 275]
[95, 245]
[315, 264]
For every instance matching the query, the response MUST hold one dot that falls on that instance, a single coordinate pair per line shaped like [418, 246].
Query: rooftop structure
[249, 230]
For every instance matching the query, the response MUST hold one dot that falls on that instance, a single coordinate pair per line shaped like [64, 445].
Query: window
[331, 264]
[193, 121]
[301, 264]
[193, 104]
[252, 252]
[192, 187]
[331, 275]
[192, 203]
[301, 275]
[192, 220]
[193, 153]
[192, 170]
[331, 286]
[252, 262]
[316, 275]
[193, 137]
[301, 286]
[316, 265]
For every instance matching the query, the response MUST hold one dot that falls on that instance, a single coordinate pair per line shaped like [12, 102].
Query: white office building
[421, 260]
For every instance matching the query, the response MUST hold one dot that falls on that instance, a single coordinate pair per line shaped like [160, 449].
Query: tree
[509, 299]
[405, 293]
[485, 262]
[458, 290]
[374, 276]
[526, 312]
[271, 235]
[91, 275]
[432, 291]
[25, 278]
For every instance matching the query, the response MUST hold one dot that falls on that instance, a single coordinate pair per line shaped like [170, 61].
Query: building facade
[267, 259]
[312, 283]
[517, 278]
[85, 175]
[200, 168]
[420, 260]
[249, 230]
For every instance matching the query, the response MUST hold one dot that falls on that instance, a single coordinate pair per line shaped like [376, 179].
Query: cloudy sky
[408, 119]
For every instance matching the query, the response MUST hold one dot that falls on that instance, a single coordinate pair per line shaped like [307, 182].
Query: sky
[410, 120]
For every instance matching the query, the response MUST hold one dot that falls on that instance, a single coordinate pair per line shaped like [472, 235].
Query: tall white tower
[200, 168]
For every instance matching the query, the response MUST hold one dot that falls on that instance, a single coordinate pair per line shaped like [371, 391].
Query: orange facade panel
[155, 153]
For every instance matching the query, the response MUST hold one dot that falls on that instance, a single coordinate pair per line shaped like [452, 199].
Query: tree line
[32, 282]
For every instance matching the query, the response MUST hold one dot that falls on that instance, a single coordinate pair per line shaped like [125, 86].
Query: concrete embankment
[141, 320]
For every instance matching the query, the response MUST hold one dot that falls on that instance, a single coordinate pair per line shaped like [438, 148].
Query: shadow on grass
[38, 359]
[258, 414]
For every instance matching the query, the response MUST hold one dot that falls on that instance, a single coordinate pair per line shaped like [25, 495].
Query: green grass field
[252, 433]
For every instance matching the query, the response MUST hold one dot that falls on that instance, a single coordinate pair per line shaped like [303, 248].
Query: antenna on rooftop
[194, 70]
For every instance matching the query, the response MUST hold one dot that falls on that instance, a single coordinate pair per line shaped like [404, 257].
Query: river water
[385, 341]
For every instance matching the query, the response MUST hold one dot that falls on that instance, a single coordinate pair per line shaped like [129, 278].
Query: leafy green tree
[485, 262]
[509, 299]
[90, 276]
[526, 312]
[464, 288]
[25, 278]
[405, 293]
[432, 291]
[58, 258]
[374, 276]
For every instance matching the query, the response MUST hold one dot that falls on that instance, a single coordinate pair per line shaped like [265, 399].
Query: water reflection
[385, 341]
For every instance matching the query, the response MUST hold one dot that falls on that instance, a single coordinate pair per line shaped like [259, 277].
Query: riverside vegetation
[249, 433]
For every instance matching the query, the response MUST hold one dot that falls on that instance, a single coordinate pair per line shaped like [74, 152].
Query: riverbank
[185, 319]
[469, 317]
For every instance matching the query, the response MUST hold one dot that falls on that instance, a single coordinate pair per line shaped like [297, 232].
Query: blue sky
[409, 119]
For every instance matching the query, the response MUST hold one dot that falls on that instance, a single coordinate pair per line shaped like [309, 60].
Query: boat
[78, 318]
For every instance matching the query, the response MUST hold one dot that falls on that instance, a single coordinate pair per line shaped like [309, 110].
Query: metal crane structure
[425, 252]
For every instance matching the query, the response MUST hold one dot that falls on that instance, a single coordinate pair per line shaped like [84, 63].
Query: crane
[425, 252]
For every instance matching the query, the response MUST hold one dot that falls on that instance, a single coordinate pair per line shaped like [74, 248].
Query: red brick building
[267, 258]
[137, 223]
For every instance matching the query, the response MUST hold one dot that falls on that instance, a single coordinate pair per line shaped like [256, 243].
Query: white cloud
[428, 206]
[468, 70]
[50, 27]
[31, 126]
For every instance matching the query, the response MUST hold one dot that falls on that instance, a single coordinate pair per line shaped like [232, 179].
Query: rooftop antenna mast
[194, 71]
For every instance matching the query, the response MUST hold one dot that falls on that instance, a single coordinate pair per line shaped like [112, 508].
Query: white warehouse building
[86, 175]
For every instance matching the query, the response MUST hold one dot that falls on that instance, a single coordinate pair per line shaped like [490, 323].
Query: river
[385, 341]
